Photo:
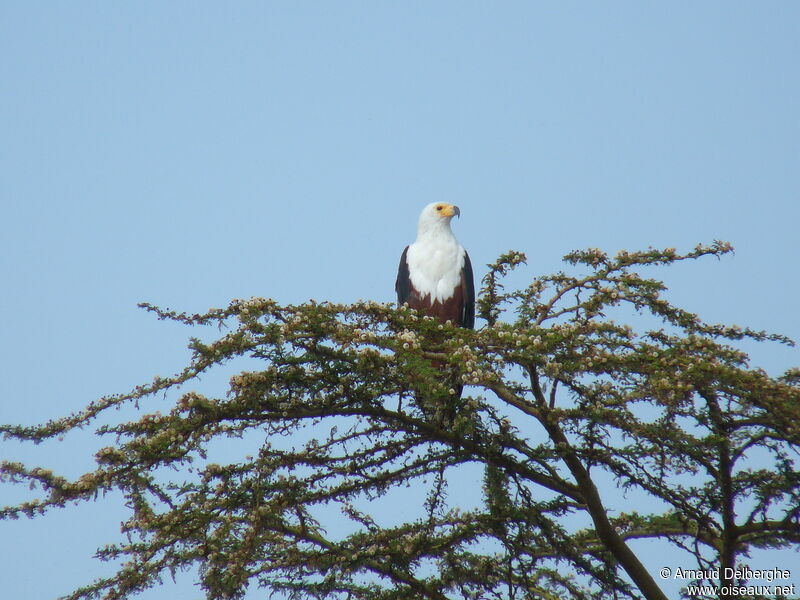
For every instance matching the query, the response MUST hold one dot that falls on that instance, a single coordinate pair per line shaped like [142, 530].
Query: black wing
[468, 287]
[403, 284]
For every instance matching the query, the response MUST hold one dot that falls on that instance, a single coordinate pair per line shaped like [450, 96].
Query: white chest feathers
[434, 266]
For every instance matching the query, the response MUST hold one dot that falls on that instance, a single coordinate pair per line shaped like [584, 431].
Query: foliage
[561, 396]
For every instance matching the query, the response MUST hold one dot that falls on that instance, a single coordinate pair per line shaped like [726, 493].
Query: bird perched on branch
[435, 277]
[435, 274]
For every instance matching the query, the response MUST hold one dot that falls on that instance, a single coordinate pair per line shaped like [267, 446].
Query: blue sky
[189, 153]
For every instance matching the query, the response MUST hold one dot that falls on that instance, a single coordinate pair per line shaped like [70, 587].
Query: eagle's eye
[439, 207]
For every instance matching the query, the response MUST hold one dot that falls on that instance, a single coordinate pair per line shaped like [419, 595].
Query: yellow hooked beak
[448, 210]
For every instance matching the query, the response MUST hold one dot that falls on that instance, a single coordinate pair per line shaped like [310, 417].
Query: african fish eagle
[435, 275]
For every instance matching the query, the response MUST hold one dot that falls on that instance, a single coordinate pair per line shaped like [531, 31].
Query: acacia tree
[560, 397]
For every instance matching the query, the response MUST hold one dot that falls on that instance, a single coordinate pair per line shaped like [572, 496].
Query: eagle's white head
[435, 219]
